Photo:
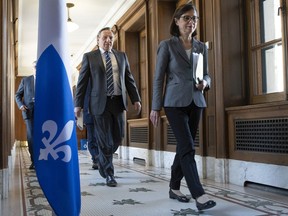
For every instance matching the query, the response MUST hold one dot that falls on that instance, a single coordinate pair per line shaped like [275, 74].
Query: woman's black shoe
[207, 205]
[179, 198]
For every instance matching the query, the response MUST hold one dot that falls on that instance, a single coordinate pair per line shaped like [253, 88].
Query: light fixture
[70, 24]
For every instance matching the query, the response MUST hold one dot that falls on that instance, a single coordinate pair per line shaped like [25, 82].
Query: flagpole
[55, 141]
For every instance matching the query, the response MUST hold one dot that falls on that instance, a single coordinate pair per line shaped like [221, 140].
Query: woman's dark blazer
[174, 66]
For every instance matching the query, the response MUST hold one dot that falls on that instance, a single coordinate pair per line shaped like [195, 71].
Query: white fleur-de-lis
[51, 147]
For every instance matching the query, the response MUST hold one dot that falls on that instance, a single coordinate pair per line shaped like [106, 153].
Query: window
[266, 51]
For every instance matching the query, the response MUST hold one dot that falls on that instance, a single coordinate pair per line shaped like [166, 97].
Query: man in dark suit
[24, 98]
[106, 106]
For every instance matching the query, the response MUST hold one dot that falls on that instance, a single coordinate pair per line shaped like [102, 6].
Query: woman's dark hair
[174, 29]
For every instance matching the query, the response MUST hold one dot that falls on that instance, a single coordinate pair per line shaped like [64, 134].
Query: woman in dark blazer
[179, 61]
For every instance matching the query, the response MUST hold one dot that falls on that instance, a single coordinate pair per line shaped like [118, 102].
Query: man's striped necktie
[109, 75]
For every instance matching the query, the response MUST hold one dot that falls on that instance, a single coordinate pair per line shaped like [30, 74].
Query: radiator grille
[262, 135]
[172, 140]
[139, 134]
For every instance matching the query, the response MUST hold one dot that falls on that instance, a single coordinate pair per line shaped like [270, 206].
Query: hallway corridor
[141, 191]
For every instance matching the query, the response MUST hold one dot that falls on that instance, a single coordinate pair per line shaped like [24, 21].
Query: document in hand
[199, 68]
[80, 121]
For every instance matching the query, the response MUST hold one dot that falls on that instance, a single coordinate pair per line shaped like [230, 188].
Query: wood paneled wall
[8, 54]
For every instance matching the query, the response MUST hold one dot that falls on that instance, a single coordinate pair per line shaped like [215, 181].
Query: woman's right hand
[154, 117]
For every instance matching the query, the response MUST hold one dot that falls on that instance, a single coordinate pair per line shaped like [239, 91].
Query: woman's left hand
[201, 85]
[154, 117]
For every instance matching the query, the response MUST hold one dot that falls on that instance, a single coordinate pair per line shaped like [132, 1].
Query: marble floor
[141, 191]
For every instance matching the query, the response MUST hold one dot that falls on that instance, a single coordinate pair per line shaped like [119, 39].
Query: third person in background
[25, 99]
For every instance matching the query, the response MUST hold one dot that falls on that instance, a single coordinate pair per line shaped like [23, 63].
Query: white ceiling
[90, 15]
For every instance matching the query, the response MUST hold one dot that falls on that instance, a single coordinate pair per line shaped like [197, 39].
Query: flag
[55, 143]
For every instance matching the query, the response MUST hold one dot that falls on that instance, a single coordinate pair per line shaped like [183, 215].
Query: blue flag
[55, 142]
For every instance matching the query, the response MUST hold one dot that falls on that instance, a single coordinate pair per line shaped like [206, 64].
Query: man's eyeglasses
[187, 18]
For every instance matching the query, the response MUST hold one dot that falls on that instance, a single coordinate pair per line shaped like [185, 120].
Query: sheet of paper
[199, 68]
[80, 121]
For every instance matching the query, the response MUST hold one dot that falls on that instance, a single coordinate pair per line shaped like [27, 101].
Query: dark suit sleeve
[19, 94]
[83, 80]
[87, 117]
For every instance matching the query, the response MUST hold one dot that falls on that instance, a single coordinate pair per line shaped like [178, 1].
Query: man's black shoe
[32, 166]
[110, 181]
[101, 171]
[95, 166]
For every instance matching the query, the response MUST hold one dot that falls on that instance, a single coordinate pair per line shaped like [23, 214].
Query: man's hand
[137, 107]
[77, 111]
[23, 108]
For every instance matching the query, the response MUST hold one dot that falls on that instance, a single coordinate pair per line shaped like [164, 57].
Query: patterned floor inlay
[143, 191]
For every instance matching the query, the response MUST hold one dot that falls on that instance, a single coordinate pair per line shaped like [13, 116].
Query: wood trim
[133, 13]
[7, 74]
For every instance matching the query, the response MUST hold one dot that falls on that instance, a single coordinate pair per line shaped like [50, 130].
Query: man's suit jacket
[25, 95]
[174, 65]
[93, 68]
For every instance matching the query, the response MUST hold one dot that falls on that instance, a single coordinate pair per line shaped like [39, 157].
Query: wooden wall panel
[209, 25]
[132, 51]
[235, 80]
[7, 71]
[229, 66]
[165, 14]
[221, 27]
